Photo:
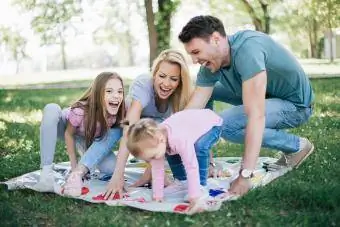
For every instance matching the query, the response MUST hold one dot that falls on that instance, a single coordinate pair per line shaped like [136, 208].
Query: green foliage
[166, 9]
[308, 196]
[52, 20]
[14, 41]
[51, 17]
[117, 29]
[328, 12]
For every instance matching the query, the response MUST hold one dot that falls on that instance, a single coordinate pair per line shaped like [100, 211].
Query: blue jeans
[100, 152]
[202, 149]
[279, 114]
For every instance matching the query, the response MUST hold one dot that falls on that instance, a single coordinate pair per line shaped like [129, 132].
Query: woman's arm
[70, 144]
[117, 181]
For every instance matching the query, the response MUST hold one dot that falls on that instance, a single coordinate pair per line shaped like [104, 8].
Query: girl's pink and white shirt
[184, 128]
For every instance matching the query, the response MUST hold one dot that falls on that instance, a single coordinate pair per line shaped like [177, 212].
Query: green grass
[309, 196]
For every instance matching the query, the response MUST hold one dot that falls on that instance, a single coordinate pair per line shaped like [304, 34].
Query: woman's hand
[115, 185]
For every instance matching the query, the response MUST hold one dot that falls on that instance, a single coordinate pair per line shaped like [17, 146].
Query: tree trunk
[314, 39]
[329, 7]
[62, 50]
[266, 16]
[256, 21]
[330, 40]
[17, 61]
[153, 43]
[131, 60]
[163, 24]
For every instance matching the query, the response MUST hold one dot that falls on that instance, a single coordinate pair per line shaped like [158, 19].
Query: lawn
[309, 196]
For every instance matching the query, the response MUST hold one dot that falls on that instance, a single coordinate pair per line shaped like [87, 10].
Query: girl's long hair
[93, 104]
[181, 95]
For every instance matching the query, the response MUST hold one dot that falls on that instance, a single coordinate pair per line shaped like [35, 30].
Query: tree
[328, 12]
[159, 25]
[117, 29]
[310, 18]
[15, 43]
[52, 20]
[261, 21]
[301, 22]
[257, 10]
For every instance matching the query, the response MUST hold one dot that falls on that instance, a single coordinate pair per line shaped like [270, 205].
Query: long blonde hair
[93, 104]
[181, 95]
[143, 129]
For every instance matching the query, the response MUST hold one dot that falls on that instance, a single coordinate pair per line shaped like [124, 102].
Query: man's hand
[115, 185]
[240, 186]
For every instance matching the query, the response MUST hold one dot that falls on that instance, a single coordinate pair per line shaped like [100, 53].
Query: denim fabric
[279, 114]
[202, 149]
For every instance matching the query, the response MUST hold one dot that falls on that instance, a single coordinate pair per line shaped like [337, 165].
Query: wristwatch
[246, 173]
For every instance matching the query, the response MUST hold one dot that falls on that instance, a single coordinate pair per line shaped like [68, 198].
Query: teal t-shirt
[253, 52]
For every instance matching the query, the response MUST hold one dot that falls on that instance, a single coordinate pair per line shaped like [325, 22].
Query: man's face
[205, 52]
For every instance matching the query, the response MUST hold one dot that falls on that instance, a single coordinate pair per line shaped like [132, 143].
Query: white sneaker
[176, 186]
[74, 182]
[46, 181]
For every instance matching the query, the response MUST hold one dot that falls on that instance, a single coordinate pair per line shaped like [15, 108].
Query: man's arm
[200, 97]
[253, 93]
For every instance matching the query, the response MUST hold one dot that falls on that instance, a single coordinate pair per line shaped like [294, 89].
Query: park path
[81, 77]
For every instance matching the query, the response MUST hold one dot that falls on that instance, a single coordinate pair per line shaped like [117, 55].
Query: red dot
[84, 190]
[181, 208]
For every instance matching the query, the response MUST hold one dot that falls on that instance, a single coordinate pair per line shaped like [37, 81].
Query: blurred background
[44, 41]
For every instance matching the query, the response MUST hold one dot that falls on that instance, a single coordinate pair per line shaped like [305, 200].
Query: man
[265, 83]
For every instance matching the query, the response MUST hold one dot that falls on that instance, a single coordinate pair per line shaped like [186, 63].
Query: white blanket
[141, 197]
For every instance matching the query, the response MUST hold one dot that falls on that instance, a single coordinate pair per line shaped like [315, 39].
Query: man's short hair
[201, 27]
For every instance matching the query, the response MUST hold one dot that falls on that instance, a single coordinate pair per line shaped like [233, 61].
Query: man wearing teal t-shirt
[265, 83]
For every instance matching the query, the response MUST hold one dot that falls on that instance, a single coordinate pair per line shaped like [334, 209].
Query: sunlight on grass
[8, 98]
[330, 99]
[3, 126]
[63, 99]
[19, 117]
[22, 144]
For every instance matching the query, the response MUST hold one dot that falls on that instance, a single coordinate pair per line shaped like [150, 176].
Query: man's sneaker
[74, 182]
[293, 160]
[46, 181]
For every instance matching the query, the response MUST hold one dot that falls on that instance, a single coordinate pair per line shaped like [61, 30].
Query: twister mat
[141, 197]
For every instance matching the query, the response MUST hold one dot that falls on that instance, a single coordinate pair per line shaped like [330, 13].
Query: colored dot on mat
[181, 208]
[99, 197]
[215, 192]
[84, 190]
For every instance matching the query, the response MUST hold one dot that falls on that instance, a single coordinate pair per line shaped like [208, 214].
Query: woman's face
[167, 79]
[114, 94]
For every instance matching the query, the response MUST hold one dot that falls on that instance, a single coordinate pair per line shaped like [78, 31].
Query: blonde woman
[158, 96]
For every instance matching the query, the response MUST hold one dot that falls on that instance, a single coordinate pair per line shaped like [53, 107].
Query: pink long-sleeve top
[184, 128]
